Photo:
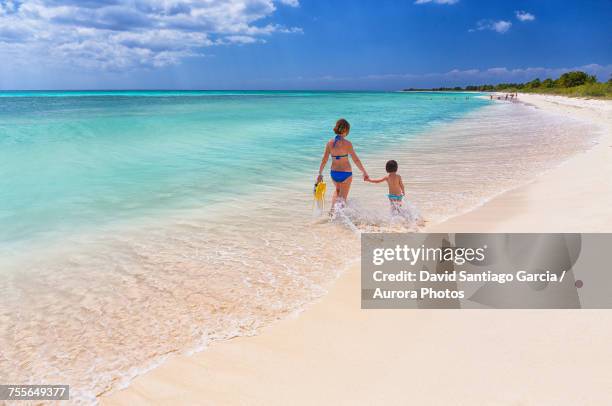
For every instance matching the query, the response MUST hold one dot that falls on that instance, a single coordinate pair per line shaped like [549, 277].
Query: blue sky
[297, 44]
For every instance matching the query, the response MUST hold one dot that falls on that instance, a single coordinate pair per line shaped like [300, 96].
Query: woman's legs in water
[342, 191]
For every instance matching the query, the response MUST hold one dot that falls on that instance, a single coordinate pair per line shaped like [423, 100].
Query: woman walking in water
[340, 148]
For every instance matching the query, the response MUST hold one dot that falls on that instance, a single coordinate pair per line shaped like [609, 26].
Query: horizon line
[231, 90]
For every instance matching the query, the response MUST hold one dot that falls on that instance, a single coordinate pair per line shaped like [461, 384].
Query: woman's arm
[323, 162]
[358, 163]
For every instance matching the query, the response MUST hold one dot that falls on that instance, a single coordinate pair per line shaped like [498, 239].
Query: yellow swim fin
[319, 194]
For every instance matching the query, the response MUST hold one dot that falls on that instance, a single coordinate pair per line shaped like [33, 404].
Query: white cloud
[239, 39]
[123, 34]
[500, 26]
[291, 3]
[524, 16]
[491, 75]
[436, 1]
[452, 78]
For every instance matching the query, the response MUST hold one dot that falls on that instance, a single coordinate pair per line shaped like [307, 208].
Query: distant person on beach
[339, 148]
[396, 186]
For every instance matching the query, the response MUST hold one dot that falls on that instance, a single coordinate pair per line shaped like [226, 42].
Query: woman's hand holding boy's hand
[366, 177]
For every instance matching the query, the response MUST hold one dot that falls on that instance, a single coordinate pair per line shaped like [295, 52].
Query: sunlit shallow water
[135, 225]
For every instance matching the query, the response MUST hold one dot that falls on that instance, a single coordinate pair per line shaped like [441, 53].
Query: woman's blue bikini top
[336, 139]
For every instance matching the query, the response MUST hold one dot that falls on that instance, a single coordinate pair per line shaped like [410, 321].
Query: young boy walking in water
[396, 186]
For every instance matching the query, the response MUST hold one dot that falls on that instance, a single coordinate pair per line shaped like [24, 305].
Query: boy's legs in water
[396, 207]
[408, 212]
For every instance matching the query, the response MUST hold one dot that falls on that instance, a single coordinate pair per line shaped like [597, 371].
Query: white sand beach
[336, 353]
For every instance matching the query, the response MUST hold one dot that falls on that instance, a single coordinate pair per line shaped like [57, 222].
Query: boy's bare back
[396, 186]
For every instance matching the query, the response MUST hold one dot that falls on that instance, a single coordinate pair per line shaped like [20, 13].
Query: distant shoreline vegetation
[573, 84]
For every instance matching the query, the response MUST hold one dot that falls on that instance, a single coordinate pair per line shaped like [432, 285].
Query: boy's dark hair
[391, 166]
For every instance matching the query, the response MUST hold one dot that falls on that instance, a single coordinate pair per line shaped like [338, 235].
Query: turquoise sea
[139, 224]
[70, 160]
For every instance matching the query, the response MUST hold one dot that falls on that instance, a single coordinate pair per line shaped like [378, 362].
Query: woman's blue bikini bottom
[339, 176]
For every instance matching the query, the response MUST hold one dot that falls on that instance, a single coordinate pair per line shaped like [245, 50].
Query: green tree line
[575, 83]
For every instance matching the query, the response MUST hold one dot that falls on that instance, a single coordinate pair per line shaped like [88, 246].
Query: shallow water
[134, 225]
